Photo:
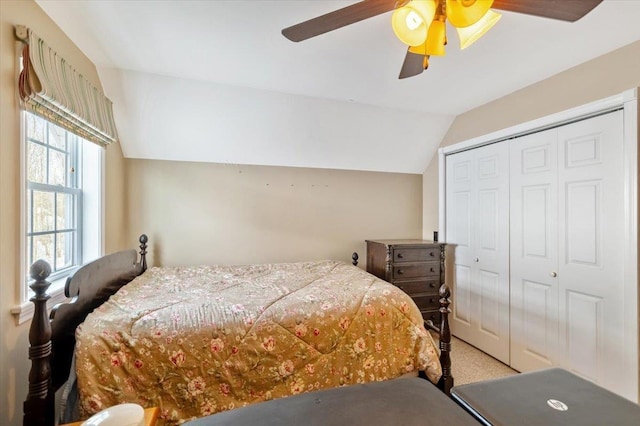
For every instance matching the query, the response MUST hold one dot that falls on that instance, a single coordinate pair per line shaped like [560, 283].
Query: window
[54, 195]
[62, 207]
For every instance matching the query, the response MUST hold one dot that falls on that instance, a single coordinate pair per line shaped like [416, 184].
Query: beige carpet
[469, 364]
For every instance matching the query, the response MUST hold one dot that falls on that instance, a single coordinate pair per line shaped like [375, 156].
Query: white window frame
[94, 218]
[73, 187]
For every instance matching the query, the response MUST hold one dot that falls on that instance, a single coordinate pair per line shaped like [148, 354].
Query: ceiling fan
[421, 23]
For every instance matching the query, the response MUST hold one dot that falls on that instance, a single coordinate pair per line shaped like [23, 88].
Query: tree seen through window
[53, 194]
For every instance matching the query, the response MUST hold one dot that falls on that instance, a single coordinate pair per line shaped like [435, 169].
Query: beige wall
[14, 365]
[115, 220]
[599, 78]
[230, 214]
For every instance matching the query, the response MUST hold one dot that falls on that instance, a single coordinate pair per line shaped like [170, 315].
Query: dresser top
[402, 242]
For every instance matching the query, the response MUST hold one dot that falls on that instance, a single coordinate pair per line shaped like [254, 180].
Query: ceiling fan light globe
[436, 39]
[411, 22]
[471, 34]
[463, 13]
[419, 50]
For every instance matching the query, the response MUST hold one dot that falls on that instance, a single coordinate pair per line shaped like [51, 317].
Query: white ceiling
[145, 48]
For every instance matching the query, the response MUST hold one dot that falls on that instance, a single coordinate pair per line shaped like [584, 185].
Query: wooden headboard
[52, 339]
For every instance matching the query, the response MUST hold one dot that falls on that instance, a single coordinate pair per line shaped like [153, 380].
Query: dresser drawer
[416, 270]
[427, 302]
[430, 286]
[415, 254]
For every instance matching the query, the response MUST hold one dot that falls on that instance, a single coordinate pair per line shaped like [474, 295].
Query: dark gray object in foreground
[547, 397]
[404, 401]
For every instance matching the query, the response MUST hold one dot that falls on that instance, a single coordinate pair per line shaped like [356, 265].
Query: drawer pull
[432, 300]
[400, 255]
[433, 270]
[400, 272]
[432, 254]
[432, 285]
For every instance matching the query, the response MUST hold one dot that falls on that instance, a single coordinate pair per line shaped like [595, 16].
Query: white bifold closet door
[477, 198]
[535, 297]
[567, 224]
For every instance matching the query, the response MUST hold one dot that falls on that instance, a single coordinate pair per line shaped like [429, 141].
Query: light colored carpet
[469, 364]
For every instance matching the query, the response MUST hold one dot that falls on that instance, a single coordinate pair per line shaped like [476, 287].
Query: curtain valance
[50, 87]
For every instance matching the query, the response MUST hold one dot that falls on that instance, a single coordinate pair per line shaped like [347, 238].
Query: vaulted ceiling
[215, 81]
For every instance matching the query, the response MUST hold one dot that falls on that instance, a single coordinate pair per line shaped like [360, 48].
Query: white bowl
[118, 415]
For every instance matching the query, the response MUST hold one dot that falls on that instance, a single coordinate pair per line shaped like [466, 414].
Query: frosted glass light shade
[462, 13]
[420, 50]
[434, 45]
[411, 22]
[436, 38]
[471, 34]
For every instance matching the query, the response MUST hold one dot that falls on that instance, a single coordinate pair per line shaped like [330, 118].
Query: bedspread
[198, 340]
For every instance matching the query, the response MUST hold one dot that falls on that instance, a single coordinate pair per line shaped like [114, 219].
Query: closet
[544, 229]
[478, 203]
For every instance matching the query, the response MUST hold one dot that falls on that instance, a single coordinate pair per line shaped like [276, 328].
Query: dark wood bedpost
[446, 381]
[354, 259]
[143, 251]
[39, 406]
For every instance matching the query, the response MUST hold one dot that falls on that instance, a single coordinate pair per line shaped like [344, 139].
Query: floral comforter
[198, 340]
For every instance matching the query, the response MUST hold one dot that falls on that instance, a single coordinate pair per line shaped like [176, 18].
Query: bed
[198, 340]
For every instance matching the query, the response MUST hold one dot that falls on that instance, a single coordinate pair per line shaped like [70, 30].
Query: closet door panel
[533, 255]
[491, 272]
[591, 212]
[583, 223]
[477, 228]
[538, 310]
[462, 307]
[460, 198]
[585, 329]
[489, 321]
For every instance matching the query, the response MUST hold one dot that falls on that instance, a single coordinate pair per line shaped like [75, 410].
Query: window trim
[23, 310]
[73, 185]
[23, 290]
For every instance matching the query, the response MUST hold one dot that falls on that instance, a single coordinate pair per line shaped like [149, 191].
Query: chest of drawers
[414, 266]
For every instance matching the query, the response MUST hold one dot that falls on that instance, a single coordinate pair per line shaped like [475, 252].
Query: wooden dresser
[415, 266]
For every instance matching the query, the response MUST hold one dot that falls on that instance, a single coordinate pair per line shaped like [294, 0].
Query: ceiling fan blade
[413, 65]
[338, 19]
[564, 10]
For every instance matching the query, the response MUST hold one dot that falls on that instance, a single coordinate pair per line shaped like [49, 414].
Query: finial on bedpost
[39, 406]
[354, 258]
[143, 251]
[446, 381]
